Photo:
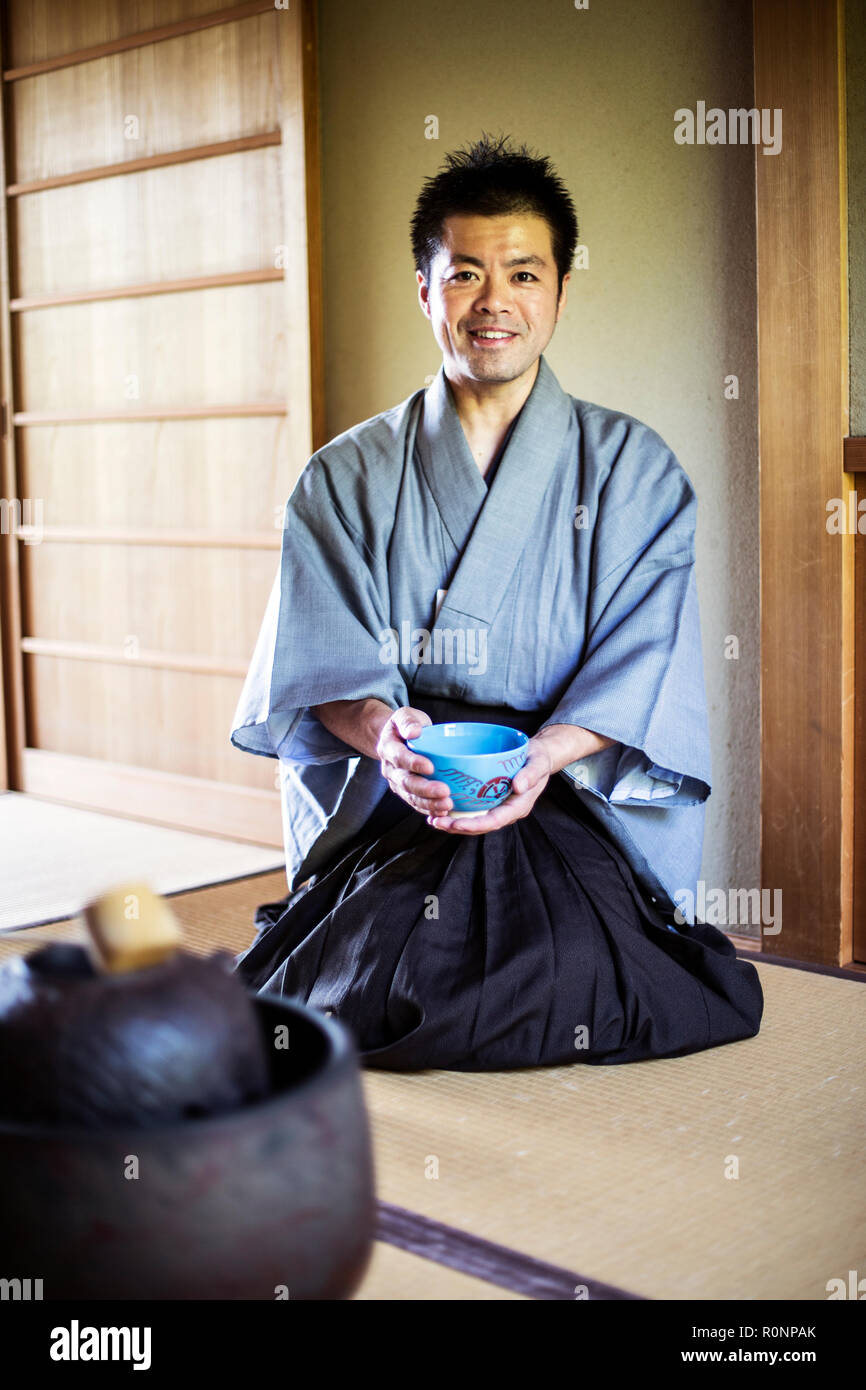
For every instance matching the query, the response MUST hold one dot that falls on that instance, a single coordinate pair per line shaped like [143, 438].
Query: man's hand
[407, 773]
[377, 731]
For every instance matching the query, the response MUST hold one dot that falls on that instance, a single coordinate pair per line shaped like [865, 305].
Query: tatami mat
[55, 858]
[621, 1174]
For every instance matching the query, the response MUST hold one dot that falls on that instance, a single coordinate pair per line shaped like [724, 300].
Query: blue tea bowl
[476, 761]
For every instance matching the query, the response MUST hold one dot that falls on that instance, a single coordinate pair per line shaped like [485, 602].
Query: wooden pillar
[806, 572]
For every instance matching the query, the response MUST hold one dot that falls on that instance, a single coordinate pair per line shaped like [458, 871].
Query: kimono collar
[491, 527]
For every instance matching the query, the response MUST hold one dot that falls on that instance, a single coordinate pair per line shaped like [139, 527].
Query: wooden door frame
[807, 636]
[11, 669]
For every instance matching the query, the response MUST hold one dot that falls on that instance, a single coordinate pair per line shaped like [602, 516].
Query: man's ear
[423, 293]
[563, 295]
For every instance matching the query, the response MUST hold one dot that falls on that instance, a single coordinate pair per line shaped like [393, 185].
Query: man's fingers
[409, 722]
[416, 792]
[523, 782]
[514, 807]
[408, 773]
[534, 769]
[423, 787]
[404, 724]
[399, 756]
[433, 798]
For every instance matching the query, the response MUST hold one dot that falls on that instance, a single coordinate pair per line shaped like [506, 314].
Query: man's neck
[486, 411]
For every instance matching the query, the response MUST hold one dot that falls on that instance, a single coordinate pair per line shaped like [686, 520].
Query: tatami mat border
[484, 1259]
[841, 972]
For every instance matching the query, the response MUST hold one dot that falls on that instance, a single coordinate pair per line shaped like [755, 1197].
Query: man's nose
[494, 295]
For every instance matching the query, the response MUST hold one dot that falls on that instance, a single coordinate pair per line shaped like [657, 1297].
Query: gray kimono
[568, 584]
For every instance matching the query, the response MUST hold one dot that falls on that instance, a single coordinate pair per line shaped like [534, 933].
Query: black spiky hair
[488, 179]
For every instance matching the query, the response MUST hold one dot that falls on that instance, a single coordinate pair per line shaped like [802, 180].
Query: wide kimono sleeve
[320, 636]
[640, 679]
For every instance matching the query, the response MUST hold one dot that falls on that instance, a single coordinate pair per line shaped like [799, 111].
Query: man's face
[493, 274]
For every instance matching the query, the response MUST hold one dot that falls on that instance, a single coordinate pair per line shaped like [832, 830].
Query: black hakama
[531, 945]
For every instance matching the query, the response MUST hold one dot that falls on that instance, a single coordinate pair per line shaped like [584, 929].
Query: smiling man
[493, 511]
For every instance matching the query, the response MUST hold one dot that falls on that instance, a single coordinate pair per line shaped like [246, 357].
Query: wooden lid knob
[131, 927]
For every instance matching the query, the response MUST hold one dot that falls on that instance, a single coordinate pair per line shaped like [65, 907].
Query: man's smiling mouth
[491, 335]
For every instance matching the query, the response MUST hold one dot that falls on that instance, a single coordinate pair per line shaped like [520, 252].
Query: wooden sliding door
[158, 390]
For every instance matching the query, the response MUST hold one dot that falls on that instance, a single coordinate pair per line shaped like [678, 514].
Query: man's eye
[526, 272]
[462, 272]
